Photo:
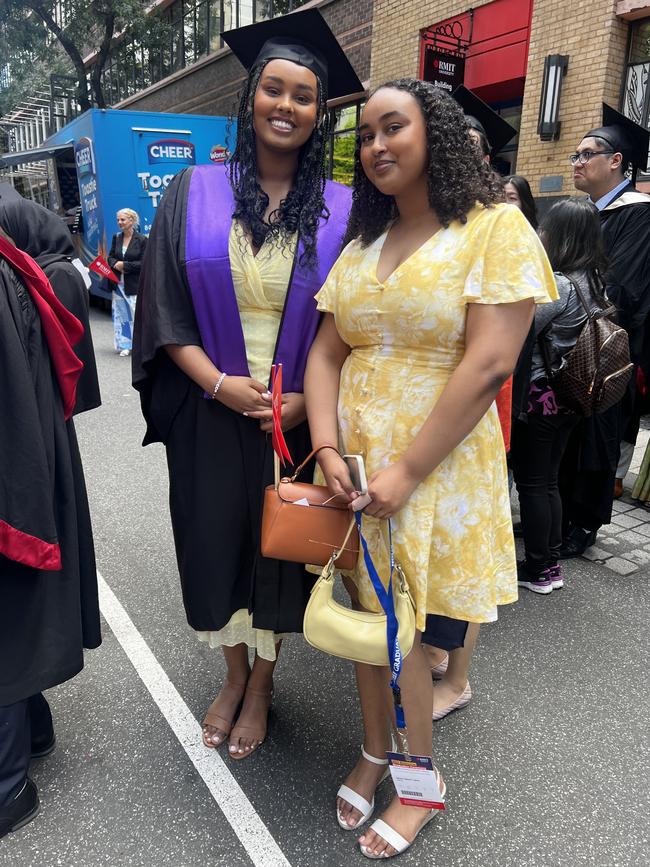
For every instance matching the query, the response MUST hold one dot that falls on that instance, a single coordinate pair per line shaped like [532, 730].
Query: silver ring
[245, 413]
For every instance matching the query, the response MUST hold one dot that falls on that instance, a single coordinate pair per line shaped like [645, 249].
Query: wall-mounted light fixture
[548, 125]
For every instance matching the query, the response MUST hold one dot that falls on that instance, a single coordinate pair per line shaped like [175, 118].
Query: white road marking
[233, 803]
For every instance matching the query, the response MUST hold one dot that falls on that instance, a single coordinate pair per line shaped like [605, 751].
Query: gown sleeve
[509, 262]
[628, 270]
[164, 314]
[69, 288]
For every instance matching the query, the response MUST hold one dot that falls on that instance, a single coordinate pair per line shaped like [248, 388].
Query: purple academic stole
[209, 216]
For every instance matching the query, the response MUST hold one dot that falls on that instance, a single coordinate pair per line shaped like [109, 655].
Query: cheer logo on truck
[171, 150]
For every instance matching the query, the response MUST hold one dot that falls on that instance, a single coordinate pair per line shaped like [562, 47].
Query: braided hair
[457, 176]
[304, 205]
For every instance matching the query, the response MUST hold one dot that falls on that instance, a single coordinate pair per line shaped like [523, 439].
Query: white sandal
[392, 837]
[366, 808]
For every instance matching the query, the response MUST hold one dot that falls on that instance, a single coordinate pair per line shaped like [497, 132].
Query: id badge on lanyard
[414, 777]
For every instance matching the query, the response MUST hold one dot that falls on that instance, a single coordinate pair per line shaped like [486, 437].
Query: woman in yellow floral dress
[426, 311]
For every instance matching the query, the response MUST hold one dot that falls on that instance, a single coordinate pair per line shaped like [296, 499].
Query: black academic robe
[626, 237]
[589, 464]
[46, 617]
[71, 291]
[219, 462]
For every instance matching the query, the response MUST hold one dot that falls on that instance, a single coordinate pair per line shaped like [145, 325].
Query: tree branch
[102, 56]
[68, 46]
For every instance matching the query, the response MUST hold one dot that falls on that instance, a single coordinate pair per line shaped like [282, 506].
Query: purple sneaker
[541, 583]
[557, 576]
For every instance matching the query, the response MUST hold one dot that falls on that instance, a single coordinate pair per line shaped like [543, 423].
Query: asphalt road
[548, 765]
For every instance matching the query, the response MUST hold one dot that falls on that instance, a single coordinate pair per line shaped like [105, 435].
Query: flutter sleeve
[326, 297]
[509, 262]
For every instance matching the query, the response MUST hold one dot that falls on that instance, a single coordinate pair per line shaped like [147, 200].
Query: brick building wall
[211, 85]
[596, 42]
[587, 30]
[396, 33]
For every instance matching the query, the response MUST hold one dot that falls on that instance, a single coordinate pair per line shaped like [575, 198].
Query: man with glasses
[601, 449]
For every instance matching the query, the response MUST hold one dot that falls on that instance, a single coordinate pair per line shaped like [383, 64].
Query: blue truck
[107, 159]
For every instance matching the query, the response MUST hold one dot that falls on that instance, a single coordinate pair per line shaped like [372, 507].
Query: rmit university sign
[444, 70]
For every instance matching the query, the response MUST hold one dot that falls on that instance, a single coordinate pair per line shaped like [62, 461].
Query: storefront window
[344, 121]
[636, 97]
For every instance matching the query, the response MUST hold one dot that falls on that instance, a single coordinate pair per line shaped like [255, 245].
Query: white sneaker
[124, 353]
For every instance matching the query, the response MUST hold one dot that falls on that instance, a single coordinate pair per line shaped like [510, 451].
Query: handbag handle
[335, 556]
[310, 456]
[302, 465]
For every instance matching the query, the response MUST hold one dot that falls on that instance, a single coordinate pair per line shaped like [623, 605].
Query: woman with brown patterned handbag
[572, 237]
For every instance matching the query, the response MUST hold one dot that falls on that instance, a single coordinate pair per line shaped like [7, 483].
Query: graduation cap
[484, 119]
[624, 136]
[302, 37]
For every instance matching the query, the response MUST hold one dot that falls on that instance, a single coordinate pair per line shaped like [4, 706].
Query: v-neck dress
[407, 336]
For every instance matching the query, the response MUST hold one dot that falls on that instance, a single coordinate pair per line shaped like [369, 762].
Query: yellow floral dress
[454, 536]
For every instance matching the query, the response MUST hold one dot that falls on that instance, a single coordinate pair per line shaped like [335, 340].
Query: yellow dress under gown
[407, 336]
[260, 287]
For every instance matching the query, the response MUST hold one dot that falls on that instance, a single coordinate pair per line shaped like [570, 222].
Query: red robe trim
[62, 330]
[28, 550]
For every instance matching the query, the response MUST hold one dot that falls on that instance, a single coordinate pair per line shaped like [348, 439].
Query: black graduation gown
[46, 617]
[589, 464]
[69, 288]
[46, 238]
[219, 462]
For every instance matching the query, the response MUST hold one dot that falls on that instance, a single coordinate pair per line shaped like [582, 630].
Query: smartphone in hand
[357, 472]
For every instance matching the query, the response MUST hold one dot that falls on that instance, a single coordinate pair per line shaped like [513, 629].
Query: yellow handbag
[357, 635]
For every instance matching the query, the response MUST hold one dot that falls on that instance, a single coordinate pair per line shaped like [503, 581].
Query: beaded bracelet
[218, 386]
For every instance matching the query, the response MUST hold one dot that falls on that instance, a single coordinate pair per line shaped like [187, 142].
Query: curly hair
[457, 176]
[304, 206]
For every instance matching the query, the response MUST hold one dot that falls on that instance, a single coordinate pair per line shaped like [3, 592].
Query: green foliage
[33, 43]
[344, 145]
[343, 163]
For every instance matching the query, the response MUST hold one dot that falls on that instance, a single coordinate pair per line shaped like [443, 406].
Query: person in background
[641, 490]
[125, 258]
[425, 313]
[48, 586]
[518, 192]
[451, 658]
[46, 238]
[601, 447]
[572, 238]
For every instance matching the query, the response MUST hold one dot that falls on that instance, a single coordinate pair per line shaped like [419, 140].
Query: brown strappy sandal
[212, 718]
[251, 732]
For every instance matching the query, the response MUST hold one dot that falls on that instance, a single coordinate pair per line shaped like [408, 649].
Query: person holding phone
[426, 311]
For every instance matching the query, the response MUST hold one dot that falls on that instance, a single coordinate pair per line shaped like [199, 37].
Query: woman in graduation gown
[46, 238]
[48, 612]
[235, 258]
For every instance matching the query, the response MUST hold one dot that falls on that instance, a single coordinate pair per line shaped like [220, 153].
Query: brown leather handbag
[304, 523]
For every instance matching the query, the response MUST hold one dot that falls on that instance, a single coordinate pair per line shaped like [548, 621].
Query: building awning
[20, 158]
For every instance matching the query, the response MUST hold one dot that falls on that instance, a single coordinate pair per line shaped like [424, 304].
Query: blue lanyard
[387, 602]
